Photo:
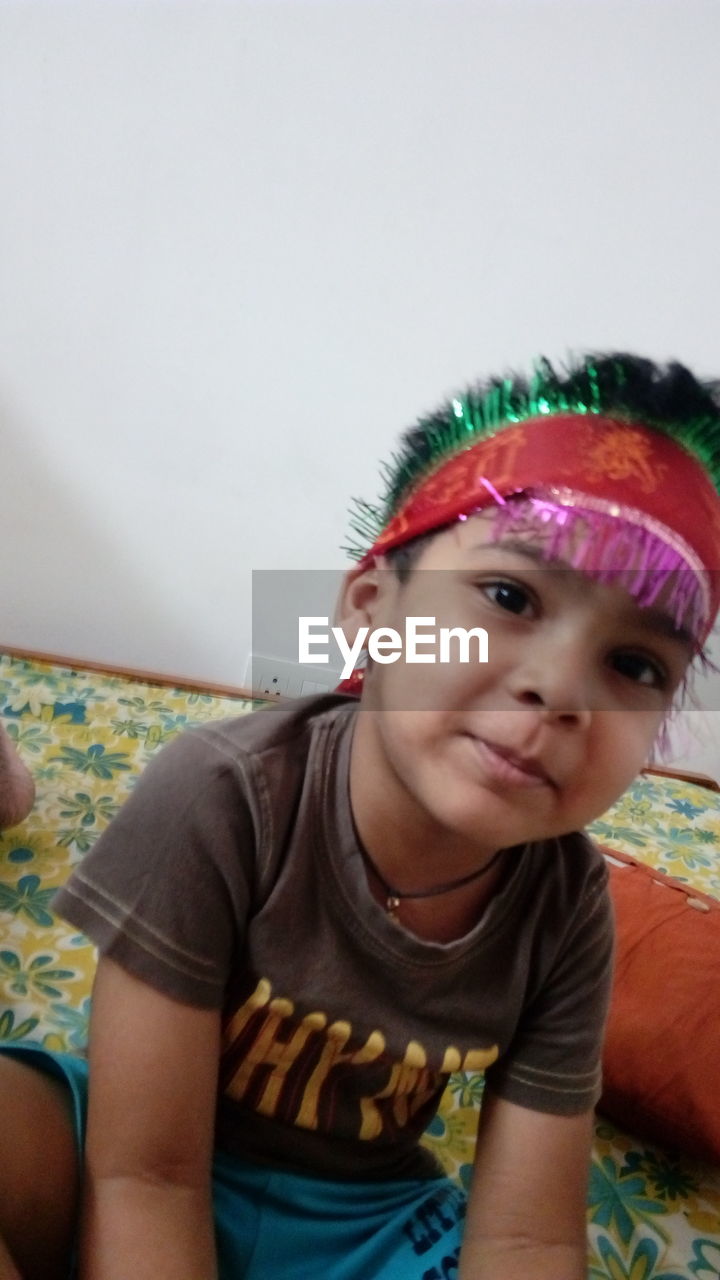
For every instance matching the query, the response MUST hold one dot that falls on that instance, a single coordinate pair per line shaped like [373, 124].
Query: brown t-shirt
[232, 879]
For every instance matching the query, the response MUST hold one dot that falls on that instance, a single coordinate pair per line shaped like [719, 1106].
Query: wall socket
[278, 678]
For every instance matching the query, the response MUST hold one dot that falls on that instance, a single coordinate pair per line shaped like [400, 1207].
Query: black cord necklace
[393, 897]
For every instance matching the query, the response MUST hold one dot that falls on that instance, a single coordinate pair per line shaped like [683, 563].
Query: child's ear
[362, 594]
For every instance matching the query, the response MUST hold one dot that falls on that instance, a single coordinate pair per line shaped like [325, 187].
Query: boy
[309, 917]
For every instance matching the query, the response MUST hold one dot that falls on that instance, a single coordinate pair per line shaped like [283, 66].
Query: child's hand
[17, 789]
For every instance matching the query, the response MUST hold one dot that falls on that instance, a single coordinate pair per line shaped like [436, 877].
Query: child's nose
[558, 681]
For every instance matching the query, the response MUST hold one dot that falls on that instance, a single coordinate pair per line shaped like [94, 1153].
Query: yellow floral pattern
[86, 737]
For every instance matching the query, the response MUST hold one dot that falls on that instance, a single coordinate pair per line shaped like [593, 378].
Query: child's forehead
[480, 531]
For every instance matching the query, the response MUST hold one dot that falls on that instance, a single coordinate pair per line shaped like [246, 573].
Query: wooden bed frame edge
[134, 673]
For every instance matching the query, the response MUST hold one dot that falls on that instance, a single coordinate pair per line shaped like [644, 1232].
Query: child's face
[551, 730]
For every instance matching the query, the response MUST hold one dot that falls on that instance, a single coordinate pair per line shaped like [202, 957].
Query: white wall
[243, 244]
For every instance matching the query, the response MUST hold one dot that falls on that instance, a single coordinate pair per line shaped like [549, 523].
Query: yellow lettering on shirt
[279, 1048]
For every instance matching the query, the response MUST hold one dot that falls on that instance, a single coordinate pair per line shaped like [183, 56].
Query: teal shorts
[273, 1225]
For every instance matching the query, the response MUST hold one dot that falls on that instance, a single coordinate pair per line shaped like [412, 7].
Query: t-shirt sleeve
[554, 1061]
[166, 889]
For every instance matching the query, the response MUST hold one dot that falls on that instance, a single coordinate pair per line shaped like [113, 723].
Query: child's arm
[527, 1209]
[153, 1082]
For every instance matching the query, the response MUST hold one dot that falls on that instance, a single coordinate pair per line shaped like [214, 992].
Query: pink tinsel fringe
[611, 549]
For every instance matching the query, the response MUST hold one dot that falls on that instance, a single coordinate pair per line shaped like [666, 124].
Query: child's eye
[510, 596]
[635, 666]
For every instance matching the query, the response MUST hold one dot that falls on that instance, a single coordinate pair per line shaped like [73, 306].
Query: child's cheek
[623, 746]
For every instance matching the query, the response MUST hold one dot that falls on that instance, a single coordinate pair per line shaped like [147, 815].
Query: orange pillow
[661, 1061]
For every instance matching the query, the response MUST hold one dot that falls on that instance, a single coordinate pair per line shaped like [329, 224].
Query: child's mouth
[503, 766]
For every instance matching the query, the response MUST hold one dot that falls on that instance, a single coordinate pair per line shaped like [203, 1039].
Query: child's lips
[506, 766]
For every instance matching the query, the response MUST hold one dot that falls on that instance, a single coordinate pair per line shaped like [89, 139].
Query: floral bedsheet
[87, 736]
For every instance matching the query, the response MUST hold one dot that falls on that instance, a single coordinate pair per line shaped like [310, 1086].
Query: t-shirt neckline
[341, 848]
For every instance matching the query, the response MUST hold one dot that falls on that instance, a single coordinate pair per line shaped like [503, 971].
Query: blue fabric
[281, 1225]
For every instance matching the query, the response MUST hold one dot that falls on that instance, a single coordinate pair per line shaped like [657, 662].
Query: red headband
[622, 469]
[623, 465]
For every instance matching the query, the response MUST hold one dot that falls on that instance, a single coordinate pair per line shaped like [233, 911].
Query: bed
[653, 1209]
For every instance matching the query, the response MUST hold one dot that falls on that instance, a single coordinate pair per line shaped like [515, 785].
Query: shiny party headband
[644, 493]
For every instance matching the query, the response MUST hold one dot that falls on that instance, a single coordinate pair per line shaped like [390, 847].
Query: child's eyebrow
[655, 621]
[660, 623]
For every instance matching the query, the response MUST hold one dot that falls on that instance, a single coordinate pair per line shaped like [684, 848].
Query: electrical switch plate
[277, 677]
